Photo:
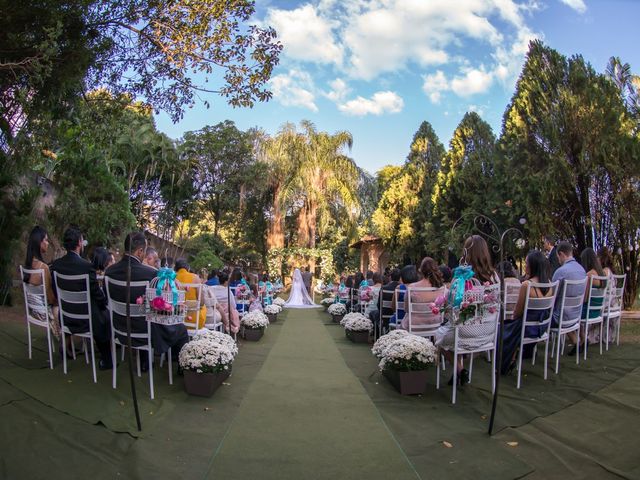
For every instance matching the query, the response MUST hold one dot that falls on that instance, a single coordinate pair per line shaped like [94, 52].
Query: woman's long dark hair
[429, 270]
[236, 275]
[476, 254]
[589, 261]
[539, 266]
[358, 280]
[409, 274]
[33, 245]
[101, 257]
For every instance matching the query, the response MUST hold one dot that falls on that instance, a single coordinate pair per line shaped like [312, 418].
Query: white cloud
[578, 5]
[434, 85]
[339, 90]
[473, 82]
[294, 89]
[476, 108]
[306, 35]
[379, 103]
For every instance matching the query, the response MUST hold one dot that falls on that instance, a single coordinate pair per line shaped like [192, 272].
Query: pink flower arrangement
[160, 305]
[140, 300]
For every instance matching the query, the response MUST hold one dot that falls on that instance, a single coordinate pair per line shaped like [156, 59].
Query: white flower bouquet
[337, 309]
[350, 316]
[384, 341]
[408, 353]
[208, 352]
[272, 309]
[357, 323]
[254, 320]
[279, 302]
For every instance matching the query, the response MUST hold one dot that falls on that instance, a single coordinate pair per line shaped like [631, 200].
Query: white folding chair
[398, 296]
[386, 305]
[193, 307]
[137, 315]
[597, 287]
[537, 304]
[36, 310]
[421, 321]
[477, 336]
[75, 297]
[569, 316]
[509, 299]
[614, 304]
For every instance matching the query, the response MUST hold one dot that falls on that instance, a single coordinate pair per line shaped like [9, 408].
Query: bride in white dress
[299, 297]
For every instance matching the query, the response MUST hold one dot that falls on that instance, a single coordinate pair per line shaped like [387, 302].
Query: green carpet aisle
[307, 416]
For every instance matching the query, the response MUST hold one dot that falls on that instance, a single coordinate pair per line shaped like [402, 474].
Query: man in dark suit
[307, 277]
[552, 254]
[73, 264]
[163, 337]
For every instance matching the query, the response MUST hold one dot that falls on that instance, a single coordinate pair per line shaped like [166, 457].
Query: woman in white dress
[299, 297]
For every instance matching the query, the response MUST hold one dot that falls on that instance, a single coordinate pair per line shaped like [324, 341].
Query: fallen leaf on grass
[206, 409]
[483, 417]
[447, 444]
[225, 383]
[121, 403]
[512, 444]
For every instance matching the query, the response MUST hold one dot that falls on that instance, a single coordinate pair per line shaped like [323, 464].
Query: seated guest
[591, 264]
[212, 279]
[163, 337]
[569, 270]
[537, 270]
[508, 272]
[369, 279]
[606, 261]
[151, 258]
[475, 253]
[37, 247]
[431, 278]
[101, 260]
[447, 275]
[73, 264]
[386, 294]
[375, 292]
[227, 301]
[408, 275]
[183, 275]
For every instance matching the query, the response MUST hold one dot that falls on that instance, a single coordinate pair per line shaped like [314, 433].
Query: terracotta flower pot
[358, 337]
[337, 318]
[252, 334]
[273, 317]
[204, 384]
[408, 383]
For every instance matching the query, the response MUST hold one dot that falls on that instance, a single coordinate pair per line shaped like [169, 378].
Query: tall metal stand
[134, 397]
[480, 225]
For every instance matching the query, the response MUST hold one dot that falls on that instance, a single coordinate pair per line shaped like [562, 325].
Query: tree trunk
[312, 218]
[275, 234]
[303, 226]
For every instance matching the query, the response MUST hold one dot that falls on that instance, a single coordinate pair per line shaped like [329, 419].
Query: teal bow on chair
[167, 275]
[461, 275]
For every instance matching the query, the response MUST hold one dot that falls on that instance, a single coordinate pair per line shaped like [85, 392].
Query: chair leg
[546, 357]
[122, 349]
[607, 329]
[455, 378]
[586, 339]
[493, 372]
[618, 324]
[519, 364]
[558, 354]
[150, 353]
[470, 368]
[29, 341]
[601, 333]
[115, 363]
[578, 349]
[535, 354]
[73, 347]
[86, 352]
[64, 352]
[161, 360]
[138, 362]
[438, 373]
[93, 360]
[170, 367]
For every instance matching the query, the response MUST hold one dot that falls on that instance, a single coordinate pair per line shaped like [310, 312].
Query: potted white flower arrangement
[327, 302]
[404, 360]
[380, 346]
[357, 327]
[206, 361]
[337, 311]
[279, 301]
[272, 311]
[253, 325]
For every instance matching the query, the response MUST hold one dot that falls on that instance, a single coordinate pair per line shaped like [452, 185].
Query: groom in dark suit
[307, 279]
[73, 264]
[163, 337]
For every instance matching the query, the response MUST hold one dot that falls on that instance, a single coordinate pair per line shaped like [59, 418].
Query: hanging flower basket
[252, 334]
[204, 384]
[358, 336]
[408, 383]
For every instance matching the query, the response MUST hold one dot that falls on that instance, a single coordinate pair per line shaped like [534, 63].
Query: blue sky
[378, 68]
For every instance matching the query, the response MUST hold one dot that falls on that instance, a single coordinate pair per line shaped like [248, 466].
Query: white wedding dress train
[299, 297]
